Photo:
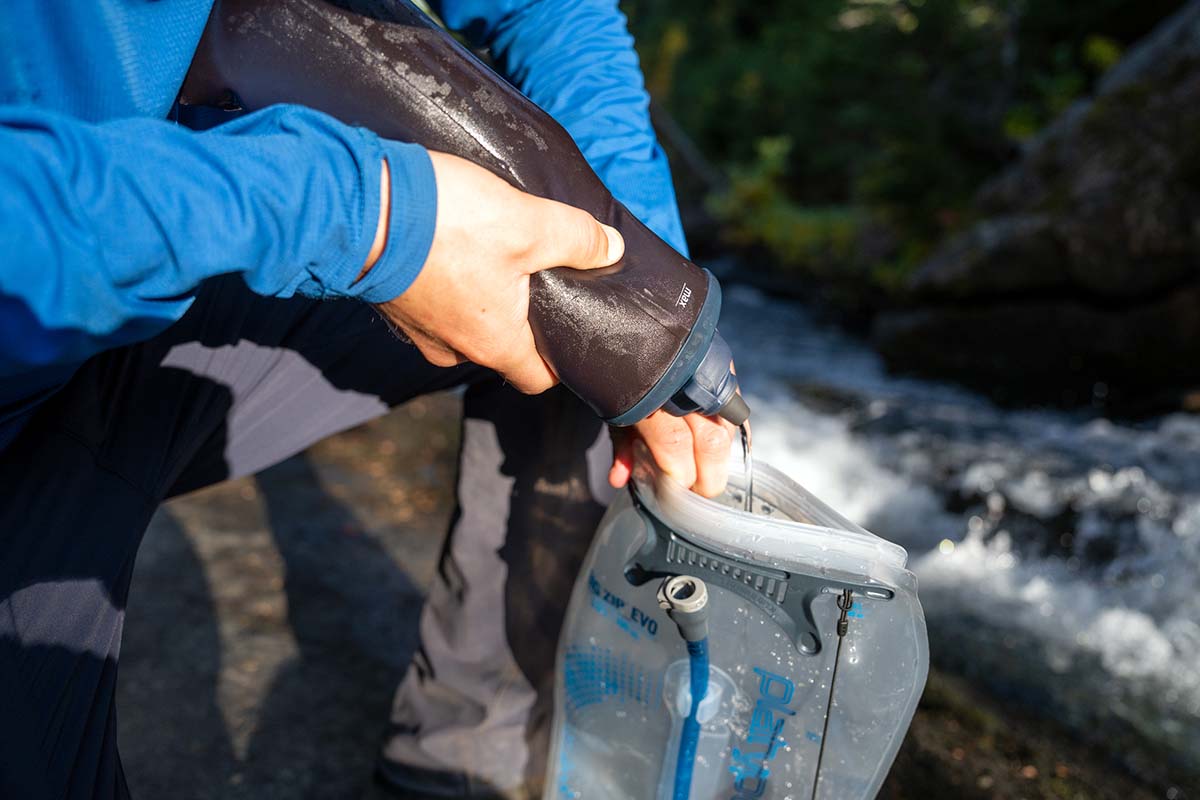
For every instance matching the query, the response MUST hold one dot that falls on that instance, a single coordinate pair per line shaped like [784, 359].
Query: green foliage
[826, 113]
[1101, 52]
[756, 209]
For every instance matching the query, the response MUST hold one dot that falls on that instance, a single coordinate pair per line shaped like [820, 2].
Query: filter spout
[712, 389]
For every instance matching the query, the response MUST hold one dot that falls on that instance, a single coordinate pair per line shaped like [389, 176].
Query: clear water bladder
[792, 709]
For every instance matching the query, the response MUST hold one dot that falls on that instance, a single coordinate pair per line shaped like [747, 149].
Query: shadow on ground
[272, 617]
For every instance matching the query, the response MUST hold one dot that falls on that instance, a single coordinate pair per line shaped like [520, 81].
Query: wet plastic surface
[609, 334]
[618, 707]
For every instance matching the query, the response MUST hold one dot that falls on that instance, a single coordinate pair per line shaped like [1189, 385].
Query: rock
[1084, 268]
[1004, 255]
[1065, 352]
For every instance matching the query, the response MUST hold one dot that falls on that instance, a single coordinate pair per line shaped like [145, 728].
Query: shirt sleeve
[109, 228]
[575, 59]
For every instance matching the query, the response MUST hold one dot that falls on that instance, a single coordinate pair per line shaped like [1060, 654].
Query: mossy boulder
[1084, 269]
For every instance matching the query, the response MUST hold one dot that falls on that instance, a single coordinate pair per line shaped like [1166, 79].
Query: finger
[436, 354]
[571, 237]
[524, 367]
[622, 466]
[711, 439]
[434, 350]
[670, 441]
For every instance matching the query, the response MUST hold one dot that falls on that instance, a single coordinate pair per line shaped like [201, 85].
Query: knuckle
[595, 246]
[485, 354]
[714, 440]
[677, 439]
[437, 356]
[512, 237]
[671, 445]
[531, 385]
[578, 231]
[522, 249]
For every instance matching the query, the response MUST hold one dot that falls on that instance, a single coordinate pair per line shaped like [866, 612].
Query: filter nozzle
[712, 389]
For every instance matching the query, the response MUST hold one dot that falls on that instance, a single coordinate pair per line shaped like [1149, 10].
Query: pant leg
[238, 383]
[476, 704]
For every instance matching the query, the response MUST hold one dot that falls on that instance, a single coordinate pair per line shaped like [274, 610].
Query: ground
[272, 617]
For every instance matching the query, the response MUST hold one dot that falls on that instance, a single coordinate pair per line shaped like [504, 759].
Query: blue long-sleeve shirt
[111, 216]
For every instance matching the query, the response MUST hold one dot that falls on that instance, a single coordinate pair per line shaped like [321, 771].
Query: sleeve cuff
[411, 224]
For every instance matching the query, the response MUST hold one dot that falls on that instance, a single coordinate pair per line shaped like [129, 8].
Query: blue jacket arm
[575, 59]
[108, 228]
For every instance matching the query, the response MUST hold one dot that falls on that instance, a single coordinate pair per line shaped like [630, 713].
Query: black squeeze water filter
[628, 339]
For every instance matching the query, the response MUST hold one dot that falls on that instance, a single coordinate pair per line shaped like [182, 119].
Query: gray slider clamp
[786, 597]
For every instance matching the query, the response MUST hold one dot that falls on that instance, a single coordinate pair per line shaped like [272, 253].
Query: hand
[693, 450]
[471, 299]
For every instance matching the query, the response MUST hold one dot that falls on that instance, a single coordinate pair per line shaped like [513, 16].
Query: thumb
[571, 237]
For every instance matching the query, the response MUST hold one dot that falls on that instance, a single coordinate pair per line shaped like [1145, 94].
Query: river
[1058, 552]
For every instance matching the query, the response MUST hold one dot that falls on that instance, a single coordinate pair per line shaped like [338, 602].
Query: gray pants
[240, 383]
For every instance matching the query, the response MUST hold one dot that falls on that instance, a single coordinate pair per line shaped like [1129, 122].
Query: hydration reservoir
[815, 652]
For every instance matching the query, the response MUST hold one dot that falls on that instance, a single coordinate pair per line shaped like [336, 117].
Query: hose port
[683, 592]
[685, 599]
